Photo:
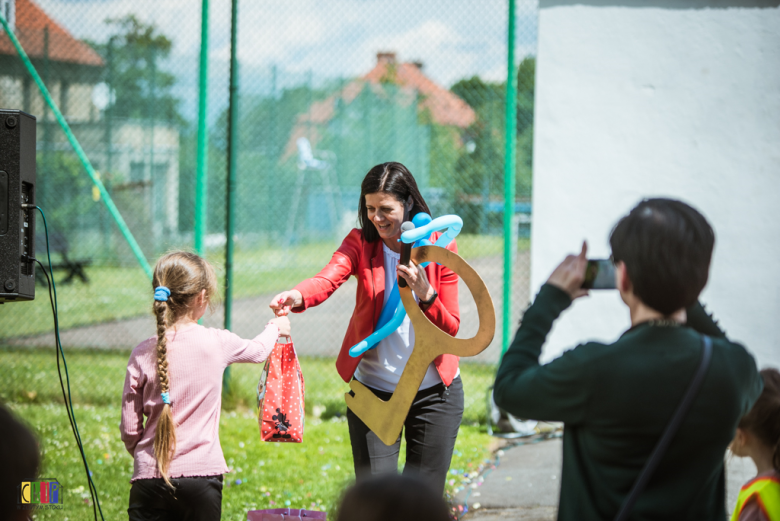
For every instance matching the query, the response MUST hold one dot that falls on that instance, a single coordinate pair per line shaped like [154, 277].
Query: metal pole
[510, 159]
[201, 181]
[158, 190]
[110, 107]
[108, 116]
[231, 176]
[120, 222]
[42, 188]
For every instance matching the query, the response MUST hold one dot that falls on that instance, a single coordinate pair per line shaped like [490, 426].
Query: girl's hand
[283, 323]
[282, 303]
[570, 274]
[417, 279]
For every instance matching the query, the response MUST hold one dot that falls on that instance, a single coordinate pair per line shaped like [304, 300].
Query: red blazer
[365, 260]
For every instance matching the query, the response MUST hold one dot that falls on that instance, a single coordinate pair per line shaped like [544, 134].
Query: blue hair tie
[166, 398]
[161, 293]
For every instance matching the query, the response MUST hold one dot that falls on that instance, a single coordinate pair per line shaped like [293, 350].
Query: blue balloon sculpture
[393, 312]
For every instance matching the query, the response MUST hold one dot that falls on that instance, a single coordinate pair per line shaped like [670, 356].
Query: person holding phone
[389, 197]
[617, 399]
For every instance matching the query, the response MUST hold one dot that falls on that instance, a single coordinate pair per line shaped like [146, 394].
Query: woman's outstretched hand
[282, 303]
[417, 279]
[283, 323]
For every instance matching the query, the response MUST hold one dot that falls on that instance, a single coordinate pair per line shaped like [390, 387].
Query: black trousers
[430, 430]
[195, 499]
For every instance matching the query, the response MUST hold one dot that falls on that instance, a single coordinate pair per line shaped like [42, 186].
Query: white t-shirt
[381, 367]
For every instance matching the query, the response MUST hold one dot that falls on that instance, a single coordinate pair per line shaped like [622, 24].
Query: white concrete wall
[678, 99]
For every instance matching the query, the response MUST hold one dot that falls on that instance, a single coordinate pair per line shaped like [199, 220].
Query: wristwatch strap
[427, 303]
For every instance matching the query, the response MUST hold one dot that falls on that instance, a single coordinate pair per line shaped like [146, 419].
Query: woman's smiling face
[387, 213]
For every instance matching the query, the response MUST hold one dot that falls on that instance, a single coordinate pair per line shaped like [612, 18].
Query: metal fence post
[510, 159]
[231, 175]
[201, 181]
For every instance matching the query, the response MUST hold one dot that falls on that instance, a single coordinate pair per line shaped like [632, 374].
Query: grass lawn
[310, 475]
[263, 475]
[29, 376]
[116, 293]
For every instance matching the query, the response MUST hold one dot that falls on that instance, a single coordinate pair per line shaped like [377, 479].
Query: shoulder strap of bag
[670, 431]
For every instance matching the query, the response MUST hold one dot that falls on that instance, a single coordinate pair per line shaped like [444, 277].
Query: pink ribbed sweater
[197, 357]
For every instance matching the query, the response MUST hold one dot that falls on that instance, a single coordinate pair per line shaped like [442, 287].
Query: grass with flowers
[262, 475]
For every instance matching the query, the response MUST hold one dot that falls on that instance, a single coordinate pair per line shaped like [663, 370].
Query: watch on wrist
[427, 303]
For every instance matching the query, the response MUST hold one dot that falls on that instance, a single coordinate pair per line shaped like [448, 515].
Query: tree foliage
[69, 195]
[484, 165]
[479, 173]
[134, 56]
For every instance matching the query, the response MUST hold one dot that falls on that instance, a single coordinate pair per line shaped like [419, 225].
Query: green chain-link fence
[326, 90]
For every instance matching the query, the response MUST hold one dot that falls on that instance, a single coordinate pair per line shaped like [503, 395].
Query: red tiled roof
[445, 107]
[31, 21]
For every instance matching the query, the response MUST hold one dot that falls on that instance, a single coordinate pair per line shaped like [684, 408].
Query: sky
[330, 39]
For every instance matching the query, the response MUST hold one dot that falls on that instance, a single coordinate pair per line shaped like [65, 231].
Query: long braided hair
[185, 275]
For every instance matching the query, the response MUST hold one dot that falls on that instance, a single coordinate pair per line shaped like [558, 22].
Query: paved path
[317, 332]
[526, 484]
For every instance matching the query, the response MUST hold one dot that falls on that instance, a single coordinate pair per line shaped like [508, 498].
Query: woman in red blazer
[389, 196]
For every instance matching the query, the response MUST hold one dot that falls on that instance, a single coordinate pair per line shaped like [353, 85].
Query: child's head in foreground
[392, 497]
[758, 432]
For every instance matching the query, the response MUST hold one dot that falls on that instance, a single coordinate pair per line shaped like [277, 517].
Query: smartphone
[600, 274]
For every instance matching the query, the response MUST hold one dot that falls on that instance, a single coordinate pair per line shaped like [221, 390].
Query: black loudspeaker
[17, 224]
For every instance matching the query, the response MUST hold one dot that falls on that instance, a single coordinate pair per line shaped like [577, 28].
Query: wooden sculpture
[386, 418]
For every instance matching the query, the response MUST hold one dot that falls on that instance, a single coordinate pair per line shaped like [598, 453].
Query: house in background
[139, 161]
[72, 67]
[385, 115]
[410, 84]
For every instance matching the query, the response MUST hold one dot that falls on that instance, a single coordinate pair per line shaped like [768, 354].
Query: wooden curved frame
[386, 418]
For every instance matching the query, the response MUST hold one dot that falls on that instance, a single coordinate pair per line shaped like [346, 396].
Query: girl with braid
[174, 380]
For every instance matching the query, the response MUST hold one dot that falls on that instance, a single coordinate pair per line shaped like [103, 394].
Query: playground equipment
[308, 162]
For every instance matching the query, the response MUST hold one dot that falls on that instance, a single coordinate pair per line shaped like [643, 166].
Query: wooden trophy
[386, 418]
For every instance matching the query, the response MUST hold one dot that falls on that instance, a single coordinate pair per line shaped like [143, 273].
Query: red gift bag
[283, 514]
[280, 395]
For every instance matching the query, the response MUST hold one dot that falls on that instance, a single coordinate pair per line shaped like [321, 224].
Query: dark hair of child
[19, 461]
[394, 497]
[763, 420]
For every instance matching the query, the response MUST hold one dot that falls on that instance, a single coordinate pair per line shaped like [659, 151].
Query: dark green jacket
[617, 399]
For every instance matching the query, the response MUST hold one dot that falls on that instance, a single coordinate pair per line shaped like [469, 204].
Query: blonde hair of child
[185, 275]
[763, 420]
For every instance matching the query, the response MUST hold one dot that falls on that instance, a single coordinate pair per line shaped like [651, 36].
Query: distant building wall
[661, 98]
[11, 92]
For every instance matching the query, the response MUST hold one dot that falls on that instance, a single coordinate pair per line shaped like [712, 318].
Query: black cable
[66, 396]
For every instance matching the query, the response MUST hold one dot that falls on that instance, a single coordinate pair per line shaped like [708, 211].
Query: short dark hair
[763, 420]
[666, 246]
[19, 461]
[392, 497]
[392, 178]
